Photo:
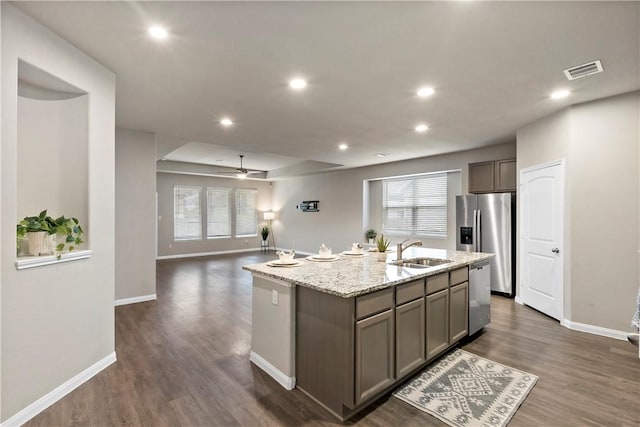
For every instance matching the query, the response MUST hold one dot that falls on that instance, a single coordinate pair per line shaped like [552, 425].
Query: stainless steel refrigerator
[486, 223]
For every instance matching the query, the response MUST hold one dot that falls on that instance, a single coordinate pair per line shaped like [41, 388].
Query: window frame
[414, 207]
[228, 191]
[238, 191]
[177, 238]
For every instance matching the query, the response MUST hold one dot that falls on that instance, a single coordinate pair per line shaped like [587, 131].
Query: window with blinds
[187, 217]
[415, 206]
[218, 212]
[246, 213]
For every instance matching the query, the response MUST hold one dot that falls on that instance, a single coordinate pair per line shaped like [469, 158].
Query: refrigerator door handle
[479, 228]
[475, 230]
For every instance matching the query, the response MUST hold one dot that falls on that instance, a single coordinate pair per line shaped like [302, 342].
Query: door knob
[555, 250]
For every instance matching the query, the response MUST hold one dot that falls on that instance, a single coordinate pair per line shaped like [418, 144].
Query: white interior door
[541, 238]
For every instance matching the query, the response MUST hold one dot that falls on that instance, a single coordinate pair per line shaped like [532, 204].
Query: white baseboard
[134, 300]
[198, 254]
[285, 381]
[596, 330]
[590, 329]
[58, 393]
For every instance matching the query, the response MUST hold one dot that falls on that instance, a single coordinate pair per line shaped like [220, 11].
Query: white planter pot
[382, 256]
[372, 241]
[41, 243]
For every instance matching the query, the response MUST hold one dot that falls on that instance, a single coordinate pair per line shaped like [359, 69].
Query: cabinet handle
[555, 250]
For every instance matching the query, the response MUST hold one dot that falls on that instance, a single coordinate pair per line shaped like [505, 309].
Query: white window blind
[415, 206]
[218, 212]
[187, 217]
[246, 213]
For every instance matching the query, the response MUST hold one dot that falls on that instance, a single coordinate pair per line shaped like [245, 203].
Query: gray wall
[61, 133]
[600, 142]
[168, 247]
[342, 209]
[135, 214]
[57, 321]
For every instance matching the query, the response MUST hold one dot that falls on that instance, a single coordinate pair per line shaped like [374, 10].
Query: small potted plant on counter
[43, 234]
[371, 235]
[382, 245]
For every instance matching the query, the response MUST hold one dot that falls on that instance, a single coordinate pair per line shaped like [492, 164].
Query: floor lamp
[269, 216]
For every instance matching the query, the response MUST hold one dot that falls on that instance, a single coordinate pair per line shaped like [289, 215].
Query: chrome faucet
[402, 247]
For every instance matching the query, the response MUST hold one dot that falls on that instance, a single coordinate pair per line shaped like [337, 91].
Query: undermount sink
[420, 262]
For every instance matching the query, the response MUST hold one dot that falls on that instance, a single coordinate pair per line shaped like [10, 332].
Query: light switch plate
[274, 297]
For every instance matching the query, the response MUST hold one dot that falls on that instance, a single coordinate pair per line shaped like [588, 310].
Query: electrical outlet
[246, 241]
[170, 245]
[274, 297]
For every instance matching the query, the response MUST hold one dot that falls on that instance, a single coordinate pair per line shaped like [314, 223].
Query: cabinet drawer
[373, 303]
[409, 291]
[460, 275]
[437, 283]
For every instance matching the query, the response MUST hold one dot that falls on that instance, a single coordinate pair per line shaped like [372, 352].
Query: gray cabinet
[350, 351]
[458, 312]
[374, 367]
[492, 177]
[437, 311]
[506, 171]
[481, 177]
[410, 336]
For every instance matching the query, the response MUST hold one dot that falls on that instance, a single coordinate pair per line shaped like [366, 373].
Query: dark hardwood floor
[183, 360]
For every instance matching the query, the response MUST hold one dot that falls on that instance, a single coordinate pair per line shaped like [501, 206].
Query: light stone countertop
[353, 276]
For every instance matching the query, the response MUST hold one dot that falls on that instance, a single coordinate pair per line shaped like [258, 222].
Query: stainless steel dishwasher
[479, 296]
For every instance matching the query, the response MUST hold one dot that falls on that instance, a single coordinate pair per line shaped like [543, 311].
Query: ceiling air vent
[583, 70]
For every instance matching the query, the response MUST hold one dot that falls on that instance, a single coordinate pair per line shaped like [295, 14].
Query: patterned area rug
[467, 390]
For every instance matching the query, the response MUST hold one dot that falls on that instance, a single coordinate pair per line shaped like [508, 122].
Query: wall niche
[52, 150]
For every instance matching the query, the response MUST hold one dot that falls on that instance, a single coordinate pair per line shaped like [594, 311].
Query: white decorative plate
[318, 258]
[279, 263]
[349, 253]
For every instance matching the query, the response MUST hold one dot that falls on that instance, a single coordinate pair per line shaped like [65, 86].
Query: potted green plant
[371, 235]
[44, 232]
[264, 232]
[382, 245]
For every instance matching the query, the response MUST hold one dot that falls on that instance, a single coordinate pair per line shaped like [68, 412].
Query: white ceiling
[493, 65]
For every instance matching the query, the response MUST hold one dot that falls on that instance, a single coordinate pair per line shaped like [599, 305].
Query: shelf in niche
[40, 261]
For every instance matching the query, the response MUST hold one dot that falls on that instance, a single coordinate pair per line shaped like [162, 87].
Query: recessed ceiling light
[382, 154]
[425, 92]
[343, 146]
[158, 32]
[297, 83]
[226, 122]
[559, 94]
[421, 127]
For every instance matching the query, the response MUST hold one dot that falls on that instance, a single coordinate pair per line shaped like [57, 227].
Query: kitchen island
[348, 331]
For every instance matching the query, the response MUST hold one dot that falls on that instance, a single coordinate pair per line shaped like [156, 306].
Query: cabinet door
[374, 355]
[481, 177]
[459, 312]
[410, 336]
[437, 323]
[505, 175]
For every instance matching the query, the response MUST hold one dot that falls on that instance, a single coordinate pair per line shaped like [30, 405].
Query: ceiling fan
[240, 172]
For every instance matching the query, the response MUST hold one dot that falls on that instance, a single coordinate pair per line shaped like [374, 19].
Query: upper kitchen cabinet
[492, 177]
